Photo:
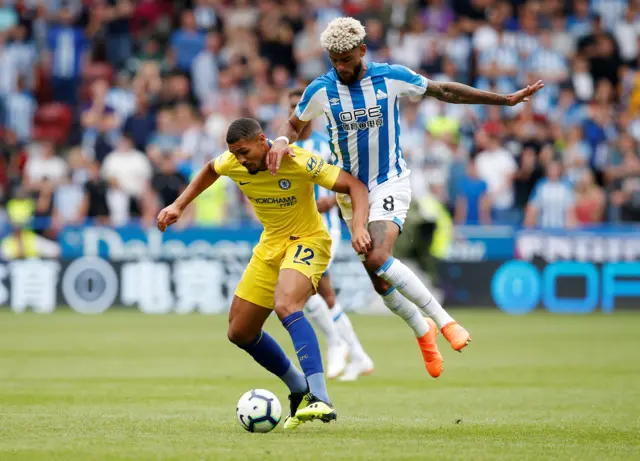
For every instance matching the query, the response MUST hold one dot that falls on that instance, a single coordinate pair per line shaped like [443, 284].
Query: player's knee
[376, 259]
[285, 308]
[239, 337]
[330, 298]
[381, 286]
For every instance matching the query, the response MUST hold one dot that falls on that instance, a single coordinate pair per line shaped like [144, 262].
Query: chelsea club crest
[284, 184]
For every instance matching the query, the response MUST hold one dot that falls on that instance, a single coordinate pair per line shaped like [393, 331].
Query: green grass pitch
[128, 386]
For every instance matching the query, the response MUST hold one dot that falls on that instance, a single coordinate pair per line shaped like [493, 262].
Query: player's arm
[307, 109]
[324, 204]
[201, 182]
[290, 130]
[458, 93]
[347, 184]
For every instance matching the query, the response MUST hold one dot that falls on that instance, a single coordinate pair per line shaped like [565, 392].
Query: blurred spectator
[622, 175]
[438, 16]
[22, 242]
[20, 108]
[128, 171]
[473, 205]
[552, 204]
[94, 204]
[141, 124]
[526, 177]
[204, 74]
[311, 58]
[167, 182]
[626, 34]
[582, 80]
[121, 97]
[186, 43]
[99, 122]
[165, 140]
[118, 34]
[496, 166]
[67, 46]
[196, 147]
[576, 154]
[123, 66]
[43, 164]
[206, 15]
[67, 201]
[590, 200]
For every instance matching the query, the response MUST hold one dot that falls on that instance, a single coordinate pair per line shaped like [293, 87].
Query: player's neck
[363, 71]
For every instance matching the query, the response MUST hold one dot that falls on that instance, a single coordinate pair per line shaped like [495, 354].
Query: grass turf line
[128, 386]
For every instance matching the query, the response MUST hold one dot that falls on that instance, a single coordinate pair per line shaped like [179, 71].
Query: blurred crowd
[109, 107]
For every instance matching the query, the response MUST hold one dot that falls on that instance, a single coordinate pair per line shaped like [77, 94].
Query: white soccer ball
[259, 410]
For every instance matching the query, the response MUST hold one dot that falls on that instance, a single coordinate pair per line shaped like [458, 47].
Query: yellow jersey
[285, 203]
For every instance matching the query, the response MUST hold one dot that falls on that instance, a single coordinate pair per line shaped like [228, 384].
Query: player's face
[251, 153]
[348, 65]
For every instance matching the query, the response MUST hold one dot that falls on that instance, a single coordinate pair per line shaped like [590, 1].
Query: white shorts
[389, 201]
[336, 237]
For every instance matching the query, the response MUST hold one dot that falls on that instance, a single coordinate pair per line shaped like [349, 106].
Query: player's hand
[361, 241]
[168, 216]
[524, 94]
[275, 154]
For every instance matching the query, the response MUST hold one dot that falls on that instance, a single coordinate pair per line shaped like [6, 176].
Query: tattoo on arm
[378, 231]
[458, 93]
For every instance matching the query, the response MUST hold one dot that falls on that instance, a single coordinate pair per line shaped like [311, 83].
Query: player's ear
[363, 50]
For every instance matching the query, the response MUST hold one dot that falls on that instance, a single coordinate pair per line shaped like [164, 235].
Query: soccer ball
[259, 410]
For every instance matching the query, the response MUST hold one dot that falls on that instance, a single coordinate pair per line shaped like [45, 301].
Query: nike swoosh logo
[244, 183]
[298, 351]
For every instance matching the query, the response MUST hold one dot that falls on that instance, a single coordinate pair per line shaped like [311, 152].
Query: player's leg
[360, 362]
[389, 205]
[381, 262]
[292, 291]
[424, 329]
[246, 320]
[318, 311]
[251, 305]
[303, 264]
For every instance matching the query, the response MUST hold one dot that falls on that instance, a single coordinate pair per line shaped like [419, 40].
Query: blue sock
[305, 342]
[268, 353]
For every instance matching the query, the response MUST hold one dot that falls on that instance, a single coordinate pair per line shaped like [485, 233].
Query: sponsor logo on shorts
[282, 202]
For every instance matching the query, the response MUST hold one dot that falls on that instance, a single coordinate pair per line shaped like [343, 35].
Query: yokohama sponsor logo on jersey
[282, 202]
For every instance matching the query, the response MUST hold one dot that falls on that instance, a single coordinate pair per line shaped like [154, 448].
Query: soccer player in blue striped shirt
[323, 307]
[360, 102]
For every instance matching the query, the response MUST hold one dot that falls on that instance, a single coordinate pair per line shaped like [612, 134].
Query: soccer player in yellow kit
[289, 260]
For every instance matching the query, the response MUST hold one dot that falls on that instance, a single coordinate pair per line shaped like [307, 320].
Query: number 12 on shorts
[306, 253]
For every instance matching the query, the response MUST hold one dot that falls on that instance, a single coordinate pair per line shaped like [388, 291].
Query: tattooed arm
[458, 93]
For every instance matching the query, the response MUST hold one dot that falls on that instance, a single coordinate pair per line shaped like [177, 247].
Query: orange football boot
[430, 353]
[457, 336]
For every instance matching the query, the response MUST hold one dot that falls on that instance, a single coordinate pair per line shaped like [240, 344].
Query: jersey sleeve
[221, 164]
[310, 105]
[316, 169]
[407, 82]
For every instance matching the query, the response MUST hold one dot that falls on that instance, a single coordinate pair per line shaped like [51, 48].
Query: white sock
[408, 283]
[348, 335]
[319, 313]
[403, 308]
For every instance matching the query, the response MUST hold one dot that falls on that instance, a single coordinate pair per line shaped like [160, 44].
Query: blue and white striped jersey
[318, 143]
[553, 199]
[363, 119]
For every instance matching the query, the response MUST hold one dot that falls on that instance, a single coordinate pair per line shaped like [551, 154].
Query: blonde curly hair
[342, 35]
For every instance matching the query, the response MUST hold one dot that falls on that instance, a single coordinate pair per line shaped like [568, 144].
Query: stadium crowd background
[109, 106]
